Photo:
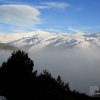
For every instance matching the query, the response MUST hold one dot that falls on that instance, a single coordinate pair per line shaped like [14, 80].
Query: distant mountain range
[39, 40]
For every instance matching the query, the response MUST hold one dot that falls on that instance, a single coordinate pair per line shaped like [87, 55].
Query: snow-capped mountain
[34, 41]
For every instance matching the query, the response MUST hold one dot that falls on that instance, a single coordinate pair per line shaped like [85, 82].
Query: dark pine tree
[15, 76]
[19, 82]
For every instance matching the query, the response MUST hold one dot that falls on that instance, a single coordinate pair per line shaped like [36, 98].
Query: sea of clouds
[79, 67]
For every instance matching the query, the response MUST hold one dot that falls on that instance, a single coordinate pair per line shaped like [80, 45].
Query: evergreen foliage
[18, 81]
[15, 74]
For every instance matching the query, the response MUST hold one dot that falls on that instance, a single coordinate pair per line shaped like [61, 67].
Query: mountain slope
[34, 41]
[8, 47]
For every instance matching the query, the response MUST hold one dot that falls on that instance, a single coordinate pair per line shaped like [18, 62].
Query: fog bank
[81, 68]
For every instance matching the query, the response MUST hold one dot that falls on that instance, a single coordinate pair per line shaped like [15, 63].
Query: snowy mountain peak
[33, 41]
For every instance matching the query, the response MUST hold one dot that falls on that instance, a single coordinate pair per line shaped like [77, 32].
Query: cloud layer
[81, 68]
[19, 15]
[56, 4]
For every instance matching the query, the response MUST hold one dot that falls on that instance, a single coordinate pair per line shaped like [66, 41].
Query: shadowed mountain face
[8, 47]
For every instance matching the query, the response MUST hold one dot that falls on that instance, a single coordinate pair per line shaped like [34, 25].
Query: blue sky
[58, 16]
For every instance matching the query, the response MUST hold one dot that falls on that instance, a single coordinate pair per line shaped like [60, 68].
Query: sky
[59, 16]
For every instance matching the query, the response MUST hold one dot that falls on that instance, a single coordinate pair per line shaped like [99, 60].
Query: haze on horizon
[78, 67]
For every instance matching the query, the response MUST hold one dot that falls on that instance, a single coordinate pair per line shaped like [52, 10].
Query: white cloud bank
[81, 68]
[19, 15]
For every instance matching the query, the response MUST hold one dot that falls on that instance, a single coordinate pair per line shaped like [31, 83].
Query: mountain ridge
[38, 40]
